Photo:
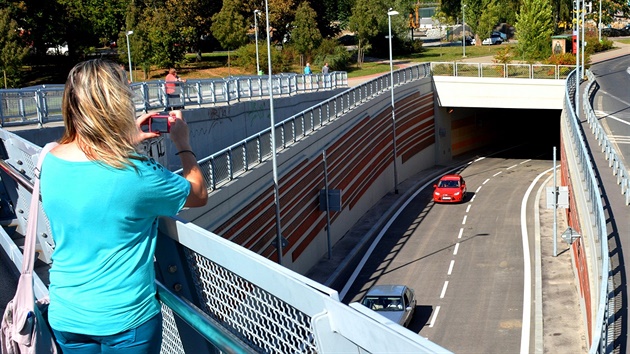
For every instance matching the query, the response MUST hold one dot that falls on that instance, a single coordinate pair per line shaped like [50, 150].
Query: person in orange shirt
[171, 87]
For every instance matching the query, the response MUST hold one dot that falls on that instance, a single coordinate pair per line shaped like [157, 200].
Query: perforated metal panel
[254, 315]
[171, 341]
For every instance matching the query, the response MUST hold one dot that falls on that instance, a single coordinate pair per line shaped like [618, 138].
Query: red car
[450, 189]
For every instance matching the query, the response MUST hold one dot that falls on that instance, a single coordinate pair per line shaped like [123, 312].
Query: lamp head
[391, 12]
[129, 33]
[256, 12]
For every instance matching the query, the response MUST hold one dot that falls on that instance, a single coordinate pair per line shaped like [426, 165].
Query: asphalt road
[465, 261]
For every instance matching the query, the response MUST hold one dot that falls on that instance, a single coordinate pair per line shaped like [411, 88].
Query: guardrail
[495, 70]
[225, 165]
[614, 159]
[42, 104]
[601, 335]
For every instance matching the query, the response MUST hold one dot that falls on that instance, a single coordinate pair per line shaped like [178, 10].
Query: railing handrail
[38, 105]
[341, 103]
[601, 336]
[501, 70]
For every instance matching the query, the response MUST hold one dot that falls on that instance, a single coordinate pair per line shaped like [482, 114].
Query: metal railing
[614, 159]
[227, 164]
[601, 335]
[42, 104]
[495, 70]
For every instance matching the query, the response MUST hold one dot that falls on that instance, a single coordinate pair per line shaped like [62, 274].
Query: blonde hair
[99, 114]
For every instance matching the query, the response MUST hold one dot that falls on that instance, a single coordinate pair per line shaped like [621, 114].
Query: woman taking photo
[103, 199]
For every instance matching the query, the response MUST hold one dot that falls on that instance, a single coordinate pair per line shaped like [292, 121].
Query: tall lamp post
[464, 31]
[256, 12]
[280, 241]
[129, 55]
[391, 13]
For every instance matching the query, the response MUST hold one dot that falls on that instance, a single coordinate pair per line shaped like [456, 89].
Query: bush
[245, 57]
[333, 53]
[503, 55]
[561, 59]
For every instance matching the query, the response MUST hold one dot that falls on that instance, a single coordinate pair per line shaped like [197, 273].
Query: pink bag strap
[28, 260]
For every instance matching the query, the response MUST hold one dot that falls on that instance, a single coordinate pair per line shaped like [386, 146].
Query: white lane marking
[468, 208]
[486, 181]
[602, 114]
[473, 198]
[527, 270]
[461, 231]
[380, 235]
[435, 314]
[450, 267]
[478, 188]
[464, 221]
[498, 173]
[479, 159]
[444, 289]
[528, 160]
[456, 248]
[511, 167]
[619, 139]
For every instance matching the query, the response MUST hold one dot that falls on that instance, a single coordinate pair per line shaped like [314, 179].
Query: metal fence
[614, 159]
[605, 294]
[489, 70]
[42, 104]
[227, 164]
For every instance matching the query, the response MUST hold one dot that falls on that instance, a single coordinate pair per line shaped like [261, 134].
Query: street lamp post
[599, 25]
[256, 12]
[391, 13]
[129, 56]
[280, 241]
[464, 31]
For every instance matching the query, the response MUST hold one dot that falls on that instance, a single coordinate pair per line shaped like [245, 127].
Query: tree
[194, 20]
[229, 27]
[364, 22]
[305, 35]
[13, 50]
[534, 26]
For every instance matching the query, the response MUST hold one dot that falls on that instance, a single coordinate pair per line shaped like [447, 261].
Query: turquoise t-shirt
[104, 223]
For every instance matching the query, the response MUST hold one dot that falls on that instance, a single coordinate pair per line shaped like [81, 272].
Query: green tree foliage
[229, 26]
[328, 16]
[280, 59]
[305, 36]
[534, 27]
[333, 53]
[482, 16]
[13, 50]
[364, 22]
[194, 19]
[157, 38]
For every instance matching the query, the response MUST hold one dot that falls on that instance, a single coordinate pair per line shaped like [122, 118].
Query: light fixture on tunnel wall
[450, 110]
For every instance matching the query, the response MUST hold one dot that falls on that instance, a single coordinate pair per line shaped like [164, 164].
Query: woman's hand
[142, 135]
[179, 131]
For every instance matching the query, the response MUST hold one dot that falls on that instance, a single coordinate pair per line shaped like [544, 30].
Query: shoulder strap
[28, 259]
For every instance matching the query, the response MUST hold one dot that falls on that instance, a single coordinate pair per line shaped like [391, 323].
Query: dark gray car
[396, 302]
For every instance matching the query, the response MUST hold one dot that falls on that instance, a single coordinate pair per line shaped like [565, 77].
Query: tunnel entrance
[509, 133]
